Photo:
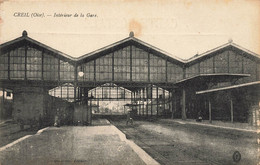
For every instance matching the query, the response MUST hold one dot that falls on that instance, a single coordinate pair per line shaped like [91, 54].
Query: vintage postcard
[129, 82]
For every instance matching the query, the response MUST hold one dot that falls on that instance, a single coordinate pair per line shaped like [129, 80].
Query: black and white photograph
[130, 82]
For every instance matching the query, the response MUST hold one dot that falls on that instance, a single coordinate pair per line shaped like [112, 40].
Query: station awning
[254, 85]
[216, 77]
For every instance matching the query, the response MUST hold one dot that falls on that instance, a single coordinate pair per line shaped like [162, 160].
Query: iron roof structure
[127, 41]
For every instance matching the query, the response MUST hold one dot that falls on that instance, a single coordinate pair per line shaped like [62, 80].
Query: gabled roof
[230, 43]
[129, 40]
[103, 49]
[25, 38]
[158, 50]
[135, 41]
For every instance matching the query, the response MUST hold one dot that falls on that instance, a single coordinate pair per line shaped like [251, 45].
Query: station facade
[220, 84]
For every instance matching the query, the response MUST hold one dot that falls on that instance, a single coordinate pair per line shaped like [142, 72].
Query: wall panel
[4, 66]
[34, 64]
[139, 64]
[66, 71]
[50, 67]
[221, 62]
[17, 64]
[192, 70]
[174, 72]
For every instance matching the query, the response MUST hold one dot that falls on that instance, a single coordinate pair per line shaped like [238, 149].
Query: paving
[98, 145]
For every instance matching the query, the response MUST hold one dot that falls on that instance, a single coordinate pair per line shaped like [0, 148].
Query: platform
[103, 144]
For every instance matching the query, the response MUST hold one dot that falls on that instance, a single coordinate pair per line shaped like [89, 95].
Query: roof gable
[227, 46]
[25, 40]
[131, 40]
[127, 42]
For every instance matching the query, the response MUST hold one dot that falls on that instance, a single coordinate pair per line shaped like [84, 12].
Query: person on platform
[129, 117]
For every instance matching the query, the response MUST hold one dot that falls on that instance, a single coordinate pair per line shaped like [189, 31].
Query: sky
[182, 28]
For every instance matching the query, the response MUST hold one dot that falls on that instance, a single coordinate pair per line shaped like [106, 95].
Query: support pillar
[157, 100]
[98, 105]
[143, 101]
[232, 110]
[131, 98]
[90, 112]
[61, 91]
[152, 101]
[3, 107]
[147, 99]
[184, 117]
[140, 107]
[173, 103]
[164, 112]
[134, 96]
[75, 91]
[85, 105]
[210, 120]
[67, 92]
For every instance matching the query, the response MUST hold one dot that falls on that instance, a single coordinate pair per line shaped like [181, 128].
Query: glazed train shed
[158, 83]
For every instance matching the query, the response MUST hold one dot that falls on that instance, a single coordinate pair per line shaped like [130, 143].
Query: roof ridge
[50, 48]
[25, 37]
[207, 52]
[197, 56]
[101, 49]
[131, 37]
[160, 50]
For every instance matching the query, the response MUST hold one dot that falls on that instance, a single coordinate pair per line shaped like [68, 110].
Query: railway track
[162, 149]
[167, 150]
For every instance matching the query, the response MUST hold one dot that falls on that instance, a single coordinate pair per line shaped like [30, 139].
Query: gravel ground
[175, 143]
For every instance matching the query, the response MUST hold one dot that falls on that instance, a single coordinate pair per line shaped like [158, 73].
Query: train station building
[38, 81]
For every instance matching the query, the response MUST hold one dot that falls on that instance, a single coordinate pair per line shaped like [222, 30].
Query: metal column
[210, 120]
[2, 111]
[232, 110]
[147, 101]
[184, 117]
[152, 101]
[143, 100]
[173, 98]
[157, 100]
[164, 112]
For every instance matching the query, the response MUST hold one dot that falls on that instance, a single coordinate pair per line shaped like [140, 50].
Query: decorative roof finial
[24, 34]
[131, 34]
[230, 40]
